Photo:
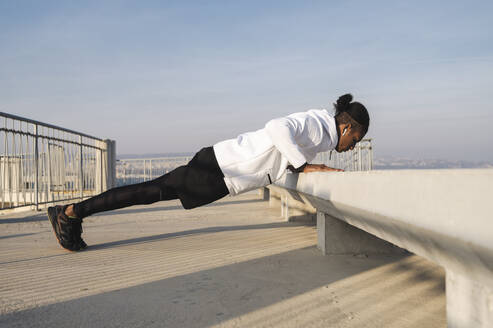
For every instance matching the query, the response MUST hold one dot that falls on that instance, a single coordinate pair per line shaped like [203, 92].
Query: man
[250, 161]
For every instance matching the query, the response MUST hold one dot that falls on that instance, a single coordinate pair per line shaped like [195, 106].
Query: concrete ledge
[445, 216]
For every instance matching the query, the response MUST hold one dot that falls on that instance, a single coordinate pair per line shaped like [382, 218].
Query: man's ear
[347, 127]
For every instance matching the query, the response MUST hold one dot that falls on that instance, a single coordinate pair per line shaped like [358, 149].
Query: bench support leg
[264, 193]
[338, 237]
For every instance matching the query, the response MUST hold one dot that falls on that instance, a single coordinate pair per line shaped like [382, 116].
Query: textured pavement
[233, 263]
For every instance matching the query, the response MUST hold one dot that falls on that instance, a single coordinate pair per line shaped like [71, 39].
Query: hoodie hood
[329, 123]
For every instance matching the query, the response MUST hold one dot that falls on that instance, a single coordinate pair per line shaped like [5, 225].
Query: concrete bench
[446, 216]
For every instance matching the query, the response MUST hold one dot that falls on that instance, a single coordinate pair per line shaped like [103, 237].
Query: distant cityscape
[153, 155]
[398, 163]
[379, 163]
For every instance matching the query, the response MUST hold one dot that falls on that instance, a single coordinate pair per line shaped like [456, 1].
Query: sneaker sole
[52, 217]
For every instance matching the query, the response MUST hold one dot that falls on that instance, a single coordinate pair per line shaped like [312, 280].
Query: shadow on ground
[42, 215]
[213, 296]
[146, 239]
[191, 232]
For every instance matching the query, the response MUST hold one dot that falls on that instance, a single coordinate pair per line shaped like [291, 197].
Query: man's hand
[319, 168]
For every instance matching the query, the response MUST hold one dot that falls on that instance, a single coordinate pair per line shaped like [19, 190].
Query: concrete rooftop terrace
[233, 263]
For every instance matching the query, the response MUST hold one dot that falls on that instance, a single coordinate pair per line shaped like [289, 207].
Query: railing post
[113, 163]
[110, 163]
[36, 165]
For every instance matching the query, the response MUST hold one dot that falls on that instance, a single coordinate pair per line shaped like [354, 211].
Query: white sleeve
[284, 132]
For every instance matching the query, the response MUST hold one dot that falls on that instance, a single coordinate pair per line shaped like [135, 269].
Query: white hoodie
[256, 159]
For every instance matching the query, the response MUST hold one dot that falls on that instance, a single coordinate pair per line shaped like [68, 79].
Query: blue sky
[175, 76]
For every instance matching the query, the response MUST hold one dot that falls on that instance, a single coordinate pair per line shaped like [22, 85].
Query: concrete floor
[233, 263]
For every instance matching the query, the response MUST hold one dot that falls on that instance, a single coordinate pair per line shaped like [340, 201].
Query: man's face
[348, 139]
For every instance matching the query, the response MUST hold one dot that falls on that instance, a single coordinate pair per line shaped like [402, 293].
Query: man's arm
[283, 132]
[307, 168]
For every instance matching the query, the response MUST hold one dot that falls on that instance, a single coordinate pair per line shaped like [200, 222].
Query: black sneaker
[67, 231]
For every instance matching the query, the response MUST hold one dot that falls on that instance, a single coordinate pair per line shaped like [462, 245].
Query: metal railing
[41, 163]
[358, 159]
[135, 170]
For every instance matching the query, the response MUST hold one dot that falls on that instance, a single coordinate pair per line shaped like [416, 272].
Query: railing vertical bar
[66, 164]
[101, 169]
[66, 158]
[92, 171]
[62, 167]
[18, 146]
[54, 164]
[70, 171]
[49, 196]
[81, 176]
[83, 172]
[58, 170]
[4, 160]
[36, 164]
[7, 166]
[42, 176]
[27, 183]
[22, 191]
[14, 176]
[86, 172]
[9, 170]
[30, 167]
[85, 169]
[75, 171]
[42, 166]
[145, 170]
[89, 170]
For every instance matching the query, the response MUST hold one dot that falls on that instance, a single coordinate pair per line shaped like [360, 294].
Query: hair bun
[343, 102]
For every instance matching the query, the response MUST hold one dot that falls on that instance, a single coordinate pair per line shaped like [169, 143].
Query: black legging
[198, 183]
[136, 194]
